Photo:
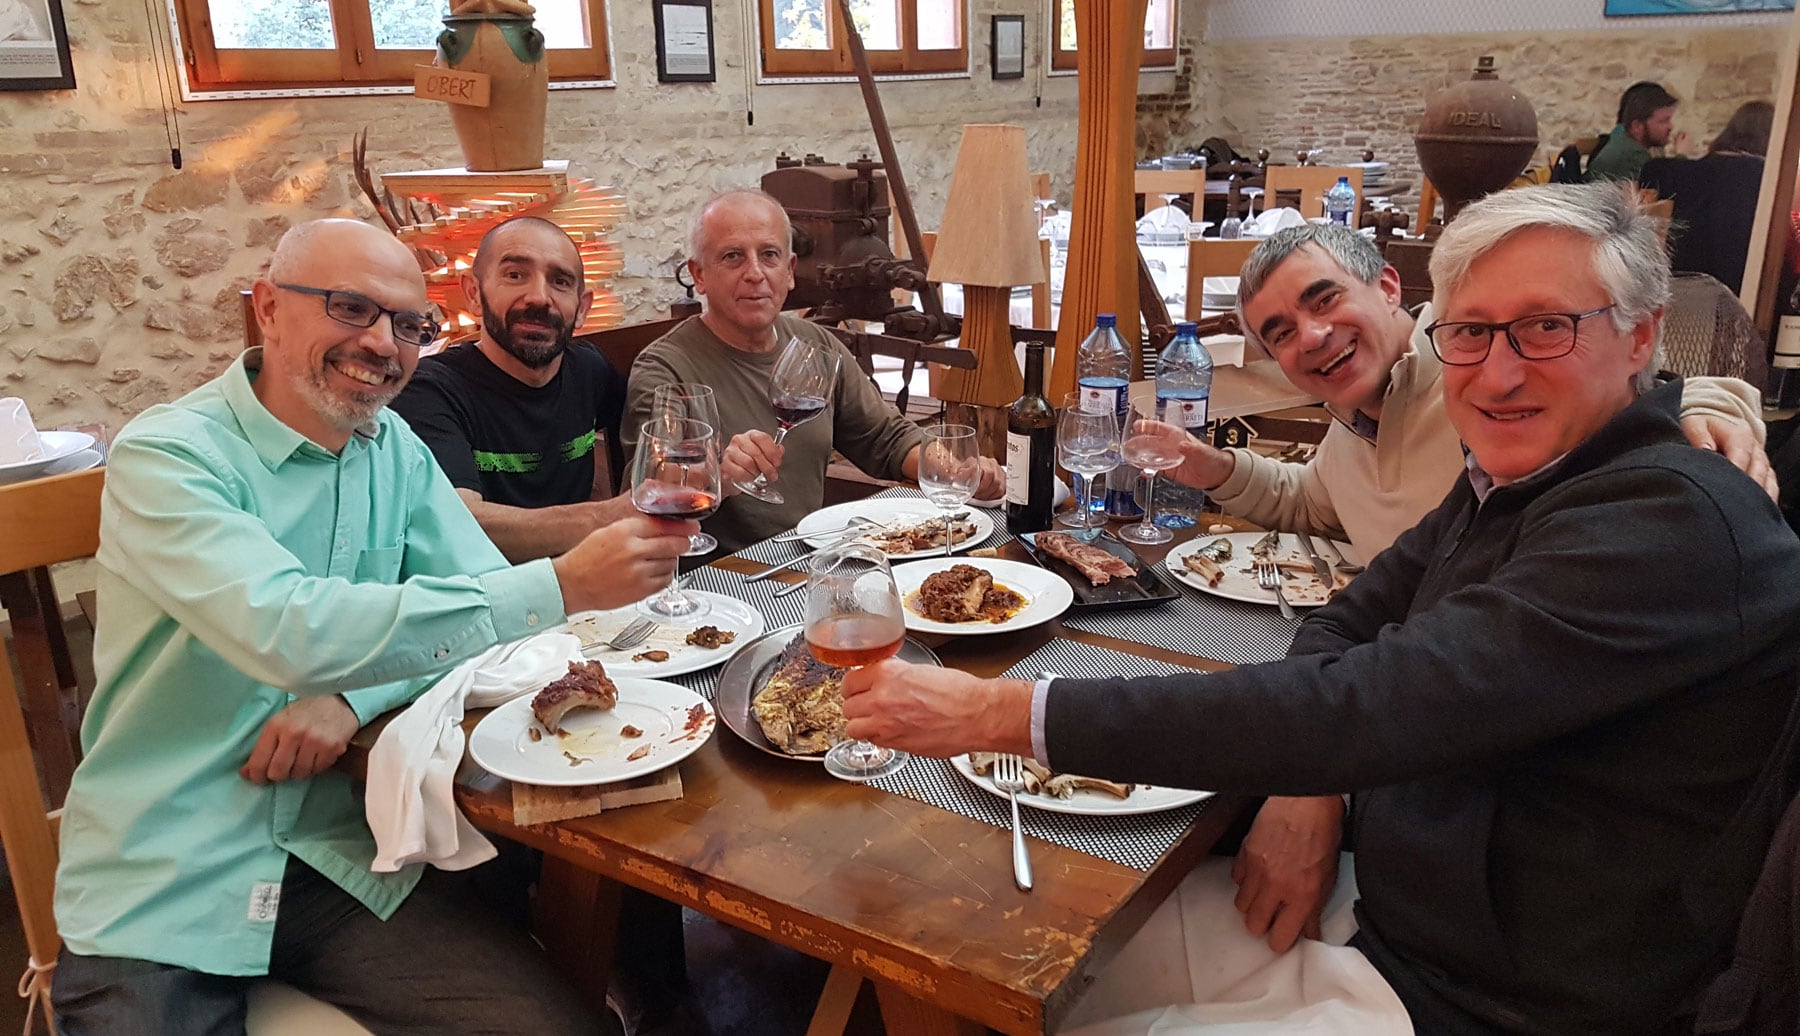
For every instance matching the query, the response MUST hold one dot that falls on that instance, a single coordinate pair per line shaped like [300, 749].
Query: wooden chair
[1210, 257]
[47, 522]
[1312, 181]
[1188, 182]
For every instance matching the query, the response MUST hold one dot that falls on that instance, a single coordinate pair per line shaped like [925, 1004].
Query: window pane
[1159, 25]
[564, 24]
[940, 24]
[408, 24]
[1066, 17]
[272, 24]
[879, 23]
[800, 25]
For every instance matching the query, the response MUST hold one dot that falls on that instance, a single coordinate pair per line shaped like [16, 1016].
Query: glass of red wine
[675, 474]
[799, 390]
[697, 402]
[853, 618]
[1150, 446]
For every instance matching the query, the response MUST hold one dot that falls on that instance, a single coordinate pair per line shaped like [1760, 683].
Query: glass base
[862, 761]
[761, 490]
[1145, 534]
[700, 543]
[1081, 518]
[674, 606]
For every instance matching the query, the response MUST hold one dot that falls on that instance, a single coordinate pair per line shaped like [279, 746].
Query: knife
[1319, 565]
[791, 562]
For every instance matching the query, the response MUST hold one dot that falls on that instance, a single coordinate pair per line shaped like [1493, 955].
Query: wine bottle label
[1018, 468]
[1787, 343]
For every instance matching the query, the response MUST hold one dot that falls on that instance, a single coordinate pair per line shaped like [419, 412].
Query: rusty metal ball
[1475, 137]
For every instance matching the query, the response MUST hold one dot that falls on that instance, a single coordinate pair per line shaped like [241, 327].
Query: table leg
[36, 634]
[577, 919]
[836, 1002]
[904, 1015]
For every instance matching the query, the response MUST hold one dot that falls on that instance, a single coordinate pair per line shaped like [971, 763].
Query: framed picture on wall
[684, 41]
[1626, 8]
[34, 46]
[1006, 46]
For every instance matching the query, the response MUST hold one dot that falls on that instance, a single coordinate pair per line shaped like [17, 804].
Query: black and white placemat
[1198, 624]
[1136, 841]
[768, 552]
[776, 612]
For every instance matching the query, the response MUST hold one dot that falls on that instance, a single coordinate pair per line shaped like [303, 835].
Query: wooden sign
[447, 84]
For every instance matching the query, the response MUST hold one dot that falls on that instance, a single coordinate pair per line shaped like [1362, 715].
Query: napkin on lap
[410, 802]
[18, 436]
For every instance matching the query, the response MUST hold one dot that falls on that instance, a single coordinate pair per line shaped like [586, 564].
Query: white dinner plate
[1046, 594]
[729, 614]
[826, 525]
[1144, 798]
[57, 446]
[1302, 585]
[675, 722]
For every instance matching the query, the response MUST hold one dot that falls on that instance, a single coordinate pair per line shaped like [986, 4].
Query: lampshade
[988, 236]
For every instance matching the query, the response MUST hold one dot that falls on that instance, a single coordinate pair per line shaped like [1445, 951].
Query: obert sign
[447, 84]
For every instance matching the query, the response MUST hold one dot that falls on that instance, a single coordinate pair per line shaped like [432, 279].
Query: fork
[632, 635]
[1009, 777]
[856, 522]
[1269, 578]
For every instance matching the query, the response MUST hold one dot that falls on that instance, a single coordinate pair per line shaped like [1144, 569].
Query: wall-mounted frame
[1006, 46]
[1629, 8]
[684, 41]
[34, 46]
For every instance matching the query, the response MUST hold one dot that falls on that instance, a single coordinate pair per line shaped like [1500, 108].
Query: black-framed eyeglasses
[1541, 336]
[347, 307]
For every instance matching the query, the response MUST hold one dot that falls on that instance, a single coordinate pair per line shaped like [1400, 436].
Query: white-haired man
[1547, 740]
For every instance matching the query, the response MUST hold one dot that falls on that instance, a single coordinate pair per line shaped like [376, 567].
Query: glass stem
[1149, 497]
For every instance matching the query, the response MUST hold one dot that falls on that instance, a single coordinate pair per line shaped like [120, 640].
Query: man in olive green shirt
[742, 260]
[1646, 120]
[280, 561]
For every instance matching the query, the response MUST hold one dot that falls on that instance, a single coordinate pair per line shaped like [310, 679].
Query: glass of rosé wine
[853, 618]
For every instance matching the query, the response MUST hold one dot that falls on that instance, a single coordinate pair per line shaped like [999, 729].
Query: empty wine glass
[949, 470]
[694, 402]
[675, 474]
[853, 618]
[1250, 196]
[799, 389]
[1087, 444]
[1149, 452]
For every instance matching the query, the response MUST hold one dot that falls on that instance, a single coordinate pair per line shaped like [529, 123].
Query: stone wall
[119, 276]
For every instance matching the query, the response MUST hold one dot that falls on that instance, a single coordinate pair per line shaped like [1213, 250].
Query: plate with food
[1225, 565]
[1101, 570]
[899, 526]
[979, 595]
[670, 650]
[778, 697]
[586, 727]
[1067, 793]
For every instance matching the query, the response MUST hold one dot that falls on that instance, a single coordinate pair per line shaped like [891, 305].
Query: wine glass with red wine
[853, 619]
[690, 400]
[675, 474]
[799, 390]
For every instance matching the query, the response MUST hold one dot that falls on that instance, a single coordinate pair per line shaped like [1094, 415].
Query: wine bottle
[1783, 390]
[1030, 451]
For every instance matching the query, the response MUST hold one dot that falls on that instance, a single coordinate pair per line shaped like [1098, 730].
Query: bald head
[532, 229]
[321, 245]
[725, 204]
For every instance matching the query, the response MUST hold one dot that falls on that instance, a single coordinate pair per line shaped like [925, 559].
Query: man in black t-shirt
[515, 417]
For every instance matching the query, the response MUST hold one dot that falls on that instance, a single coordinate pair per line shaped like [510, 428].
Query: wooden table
[915, 898]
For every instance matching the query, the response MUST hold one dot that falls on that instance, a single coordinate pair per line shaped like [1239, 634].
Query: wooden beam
[1774, 202]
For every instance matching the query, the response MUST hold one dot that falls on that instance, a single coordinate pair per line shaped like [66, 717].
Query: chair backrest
[1211, 257]
[1146, 182]
[1706, 332]
[1567, 166]
[1664, 210]
[1312, 181]
[43, 522]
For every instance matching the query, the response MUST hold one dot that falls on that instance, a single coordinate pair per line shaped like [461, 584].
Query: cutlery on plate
[1269, 578]
[1318, 563]
[858, 523]
[1009, 777]
[791, 562]
[632, 635]
[1342, 566]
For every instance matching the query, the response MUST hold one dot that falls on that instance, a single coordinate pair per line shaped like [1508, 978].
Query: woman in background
[1715, 196]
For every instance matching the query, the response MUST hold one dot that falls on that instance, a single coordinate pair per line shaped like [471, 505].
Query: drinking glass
[1087, 444]
[688, 400]
[675, 474]
[949, 469]
[1149, 453]
[853, 618]
[799, 389]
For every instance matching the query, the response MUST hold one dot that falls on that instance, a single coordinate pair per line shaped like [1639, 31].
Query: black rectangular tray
[1143, 591]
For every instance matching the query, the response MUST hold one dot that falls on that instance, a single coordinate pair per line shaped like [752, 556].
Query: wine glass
[949, 469]
[1149, 453]
[696, 402]
[799, 389]
[853, 618]
[1250, 196]
[1087, 444]
[675, 474]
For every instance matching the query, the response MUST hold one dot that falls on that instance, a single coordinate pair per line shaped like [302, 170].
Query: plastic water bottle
[1103, 377]
[1184, 374]
[1340, 201]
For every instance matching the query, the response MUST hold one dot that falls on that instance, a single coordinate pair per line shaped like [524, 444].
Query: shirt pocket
[380, 564]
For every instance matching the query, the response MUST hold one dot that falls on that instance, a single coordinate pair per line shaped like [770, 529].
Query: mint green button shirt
[241, 566]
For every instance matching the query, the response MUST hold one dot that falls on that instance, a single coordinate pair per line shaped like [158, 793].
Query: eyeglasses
[1543, 336]
[347, 307]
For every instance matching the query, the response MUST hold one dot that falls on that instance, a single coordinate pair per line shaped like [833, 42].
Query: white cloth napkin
[1269, 222]
[410, 802]
[18, 436]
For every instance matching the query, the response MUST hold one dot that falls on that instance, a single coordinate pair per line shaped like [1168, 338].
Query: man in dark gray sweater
[1549, 701]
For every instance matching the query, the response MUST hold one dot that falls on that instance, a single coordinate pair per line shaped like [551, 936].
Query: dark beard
[531, 354]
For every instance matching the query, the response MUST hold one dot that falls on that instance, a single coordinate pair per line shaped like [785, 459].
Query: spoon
[1342, 566]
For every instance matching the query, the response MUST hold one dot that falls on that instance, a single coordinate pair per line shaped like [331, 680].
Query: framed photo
[684, 41]
[34, 46]
[1628, 8]
[1006, 46]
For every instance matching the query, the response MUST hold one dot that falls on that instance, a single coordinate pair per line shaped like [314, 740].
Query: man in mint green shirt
[281, 560]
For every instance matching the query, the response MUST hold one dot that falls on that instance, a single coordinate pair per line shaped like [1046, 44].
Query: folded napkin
[1269, 222]
[18, 436]
[410, 802]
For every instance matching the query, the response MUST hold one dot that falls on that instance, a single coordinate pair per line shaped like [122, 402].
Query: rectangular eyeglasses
[1542, 336]
[347, 307]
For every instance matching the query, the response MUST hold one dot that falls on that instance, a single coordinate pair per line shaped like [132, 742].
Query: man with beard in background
[516, 419]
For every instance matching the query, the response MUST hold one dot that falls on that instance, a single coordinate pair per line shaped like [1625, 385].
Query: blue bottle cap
[1106, 320]
[1345, 180]
[1187, 327]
